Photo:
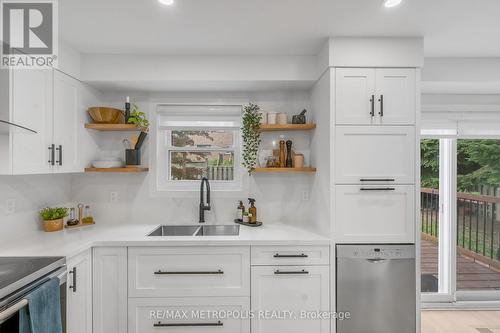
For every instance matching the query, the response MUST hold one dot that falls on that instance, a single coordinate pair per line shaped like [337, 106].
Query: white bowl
[103, 164]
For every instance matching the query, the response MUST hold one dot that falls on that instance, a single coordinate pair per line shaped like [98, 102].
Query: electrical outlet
[10, 206]
[305, 195]
[113, 197]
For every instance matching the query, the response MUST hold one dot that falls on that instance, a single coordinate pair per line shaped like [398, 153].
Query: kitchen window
[197, 141]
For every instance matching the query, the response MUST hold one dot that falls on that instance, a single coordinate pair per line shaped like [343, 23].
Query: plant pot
[53, 225]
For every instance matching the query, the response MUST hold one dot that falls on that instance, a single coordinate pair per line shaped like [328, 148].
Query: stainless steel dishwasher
[376, 285]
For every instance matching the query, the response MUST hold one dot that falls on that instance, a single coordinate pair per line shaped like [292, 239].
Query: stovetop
[17, 272]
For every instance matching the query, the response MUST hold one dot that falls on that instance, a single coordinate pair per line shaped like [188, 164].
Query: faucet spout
[204, 205]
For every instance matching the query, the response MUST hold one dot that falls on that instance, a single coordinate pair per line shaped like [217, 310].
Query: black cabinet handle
[302, 255]
[381, 100]
[278, 272]
[377, 189]
[372, 100]
[73, 272]
[160, 324]
[52, 154]
[59, 149]
[160, 272]
[377, 180]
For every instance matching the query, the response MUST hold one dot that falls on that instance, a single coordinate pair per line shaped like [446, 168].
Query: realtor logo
[29, 34]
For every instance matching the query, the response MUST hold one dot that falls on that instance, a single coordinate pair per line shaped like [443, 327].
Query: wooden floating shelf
[285, 170]
[114, 127]
[122, 170]
[286, 127]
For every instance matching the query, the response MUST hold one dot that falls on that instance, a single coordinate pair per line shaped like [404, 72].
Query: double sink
[196, 230]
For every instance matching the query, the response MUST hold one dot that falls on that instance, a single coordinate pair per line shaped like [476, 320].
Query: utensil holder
[132, 156]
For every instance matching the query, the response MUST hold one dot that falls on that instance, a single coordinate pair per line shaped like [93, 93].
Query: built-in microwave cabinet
[375, 213]
[369, 96]
[374, 155]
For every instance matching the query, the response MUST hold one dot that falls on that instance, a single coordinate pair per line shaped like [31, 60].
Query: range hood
[7, 127]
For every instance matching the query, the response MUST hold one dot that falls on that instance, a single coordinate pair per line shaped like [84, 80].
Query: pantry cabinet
[374, 154]
[374, 213]
[369, 96]
[79, 294]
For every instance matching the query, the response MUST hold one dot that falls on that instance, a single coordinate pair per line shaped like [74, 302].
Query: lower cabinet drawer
[189, 271]
[181, 315]
[290, 255]
[291, 299]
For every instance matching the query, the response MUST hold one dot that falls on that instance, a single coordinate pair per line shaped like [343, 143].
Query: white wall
[31, 193]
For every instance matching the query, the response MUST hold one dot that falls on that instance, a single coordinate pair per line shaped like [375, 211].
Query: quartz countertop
[71, 242]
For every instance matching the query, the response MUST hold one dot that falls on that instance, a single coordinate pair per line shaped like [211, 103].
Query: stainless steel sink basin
[219, 230]
[175, 230]
[196, 230]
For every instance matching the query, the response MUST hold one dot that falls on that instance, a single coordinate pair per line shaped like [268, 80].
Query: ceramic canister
[271, 118]
[282, 119]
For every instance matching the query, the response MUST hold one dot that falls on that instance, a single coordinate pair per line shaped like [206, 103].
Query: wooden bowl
[104, 115]
[53, 225]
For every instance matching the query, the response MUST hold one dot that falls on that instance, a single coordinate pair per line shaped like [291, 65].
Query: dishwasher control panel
[376, 251]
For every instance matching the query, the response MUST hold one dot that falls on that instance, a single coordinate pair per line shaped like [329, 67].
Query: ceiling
[455, 28]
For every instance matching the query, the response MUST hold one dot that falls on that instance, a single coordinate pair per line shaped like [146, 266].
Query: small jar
[271, 118]
[298, 160]
[282, 119]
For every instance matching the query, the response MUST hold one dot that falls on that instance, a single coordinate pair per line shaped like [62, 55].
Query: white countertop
[71, 242]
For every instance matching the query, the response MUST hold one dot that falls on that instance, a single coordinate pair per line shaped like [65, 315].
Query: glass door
[477, 219]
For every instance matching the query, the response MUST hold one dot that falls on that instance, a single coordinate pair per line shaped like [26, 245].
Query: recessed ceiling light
[166, 2]
[391, 3]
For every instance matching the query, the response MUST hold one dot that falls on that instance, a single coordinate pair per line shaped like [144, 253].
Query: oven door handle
[12, 310]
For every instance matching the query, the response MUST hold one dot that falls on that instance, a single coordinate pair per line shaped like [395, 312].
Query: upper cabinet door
[66, 123]
[395, 96]
[354, 96]
[31, 105]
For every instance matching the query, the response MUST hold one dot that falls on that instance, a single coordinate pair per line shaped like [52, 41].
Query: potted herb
[251, 135]
[53, 218]
[138, 117]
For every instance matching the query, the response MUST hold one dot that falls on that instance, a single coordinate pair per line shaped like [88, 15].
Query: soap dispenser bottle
[239, 211]
[252, 211]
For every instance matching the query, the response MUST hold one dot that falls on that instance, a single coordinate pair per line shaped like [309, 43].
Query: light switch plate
[10, 206]
[113, 197]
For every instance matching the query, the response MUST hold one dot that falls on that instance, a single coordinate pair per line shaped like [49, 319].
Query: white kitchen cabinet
[66, 123]
[31, 107]
[188, 314]
[109, 290]
[369, 96]
[79, 294]
[189, 271]
[294, 289]
[355, 95]
[54, 105]
[374, 154]
[396, 96]
[374, 213]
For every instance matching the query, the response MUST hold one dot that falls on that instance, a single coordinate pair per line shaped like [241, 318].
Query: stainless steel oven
[14, 301]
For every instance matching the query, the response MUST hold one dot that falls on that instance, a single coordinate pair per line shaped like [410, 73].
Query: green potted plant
[138, 117]
[53, 218]
[251, 135]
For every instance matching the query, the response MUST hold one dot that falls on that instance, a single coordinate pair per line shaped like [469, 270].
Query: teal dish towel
[43, 312]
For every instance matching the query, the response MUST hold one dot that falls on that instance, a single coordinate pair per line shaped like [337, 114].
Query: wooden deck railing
[478, 229]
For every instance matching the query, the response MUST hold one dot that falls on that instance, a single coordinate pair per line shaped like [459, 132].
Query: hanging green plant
[251, 135]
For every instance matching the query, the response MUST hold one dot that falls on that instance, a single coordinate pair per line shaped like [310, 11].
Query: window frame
[164, 183]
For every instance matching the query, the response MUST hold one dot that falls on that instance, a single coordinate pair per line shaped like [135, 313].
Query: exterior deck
[472, 275]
